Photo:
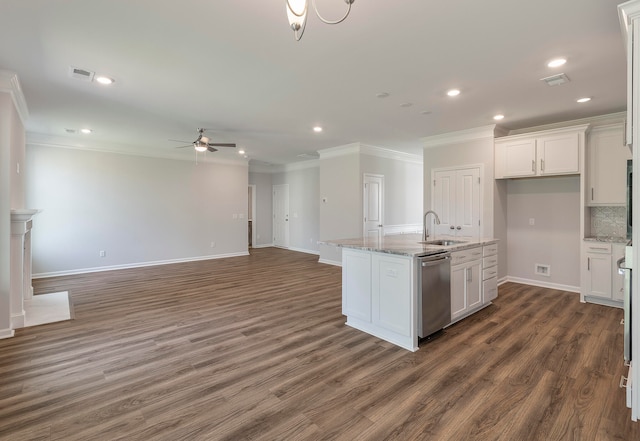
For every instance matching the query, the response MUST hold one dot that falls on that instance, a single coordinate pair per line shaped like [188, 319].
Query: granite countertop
[407, 244]
[609, 239]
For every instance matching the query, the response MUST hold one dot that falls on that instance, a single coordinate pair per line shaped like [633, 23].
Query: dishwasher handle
[434, 260]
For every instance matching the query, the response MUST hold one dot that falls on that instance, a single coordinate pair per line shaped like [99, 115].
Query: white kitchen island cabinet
[381, 283]
[378, 295]
[466, 282]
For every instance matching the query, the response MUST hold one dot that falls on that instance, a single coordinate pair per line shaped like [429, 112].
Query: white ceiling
[235, 67]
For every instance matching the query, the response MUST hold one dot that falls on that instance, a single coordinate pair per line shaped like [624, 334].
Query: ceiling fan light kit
[202, 144]
[297, 14]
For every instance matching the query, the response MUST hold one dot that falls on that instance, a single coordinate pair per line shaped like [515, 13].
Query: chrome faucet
[425, 234]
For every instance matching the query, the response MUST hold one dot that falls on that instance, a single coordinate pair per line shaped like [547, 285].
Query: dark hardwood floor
[255, 348]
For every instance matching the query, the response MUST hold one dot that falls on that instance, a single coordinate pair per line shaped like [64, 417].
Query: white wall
[403, 189]
[304, 205]
[554, 239]
[341, 214]
[138, 210]
[264, 207]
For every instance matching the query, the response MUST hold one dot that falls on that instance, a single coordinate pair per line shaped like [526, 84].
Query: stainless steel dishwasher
[434, 299]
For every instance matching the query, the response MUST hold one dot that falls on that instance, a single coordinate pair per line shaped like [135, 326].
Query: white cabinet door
[391, 293]
[456, 199]
[520, 158]
[607, 164]
[558, 154]
[474, 285]
[356, 284]
[458, 294]
[599, 275]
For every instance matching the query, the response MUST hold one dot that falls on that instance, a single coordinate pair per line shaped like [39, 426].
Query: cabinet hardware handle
[591, 193]
[458, 227]
[588, 263]
[451, 227]
[533, 165]
[541, 164]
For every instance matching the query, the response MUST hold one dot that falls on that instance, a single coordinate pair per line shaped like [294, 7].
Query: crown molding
[594, 121]
[333, 152]
[10, 84]
[390, 154]
[35, 139]
[461, 136]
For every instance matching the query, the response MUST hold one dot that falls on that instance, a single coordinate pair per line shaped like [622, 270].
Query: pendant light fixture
[297, 14]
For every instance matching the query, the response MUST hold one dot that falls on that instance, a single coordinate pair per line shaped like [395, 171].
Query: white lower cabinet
[466, 282]
[379, 295]
[601, 282]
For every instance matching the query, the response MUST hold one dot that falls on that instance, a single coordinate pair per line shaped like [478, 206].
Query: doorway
[251, 224]
[281, 215]
[373, 204]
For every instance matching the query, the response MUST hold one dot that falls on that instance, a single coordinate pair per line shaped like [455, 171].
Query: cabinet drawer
[598, 247]
[488, 273]
[490, 289]
[465, 256]
[490, 250]
[489, 261]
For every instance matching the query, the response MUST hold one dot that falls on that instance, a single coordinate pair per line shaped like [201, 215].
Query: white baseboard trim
[558, 286]
[330, 262]
[302, 250]
[264, 245]
[6, 333]
[135, 265]
[17, 320]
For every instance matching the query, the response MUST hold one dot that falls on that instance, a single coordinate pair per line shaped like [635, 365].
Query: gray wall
[403, 188]
[554, 239]
[264, 207]
[304, 206]
[138, 210]
[11, 196]
[472, 152]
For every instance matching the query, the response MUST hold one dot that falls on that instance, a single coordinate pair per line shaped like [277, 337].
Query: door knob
[451, 227]
[380, 225]
[458, 227]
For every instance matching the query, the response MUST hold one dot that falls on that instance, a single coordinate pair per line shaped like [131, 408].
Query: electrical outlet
[235, 216]
[103, 253]
[532, 221]
[213, 244]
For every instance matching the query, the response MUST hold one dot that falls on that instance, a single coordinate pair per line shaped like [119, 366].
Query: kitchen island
[381, 282]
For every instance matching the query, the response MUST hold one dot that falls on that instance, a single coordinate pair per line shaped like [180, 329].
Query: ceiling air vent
[81, 74]
[71, 130]
[556, 80]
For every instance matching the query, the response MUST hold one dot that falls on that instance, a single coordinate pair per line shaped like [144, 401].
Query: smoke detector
[556, 80]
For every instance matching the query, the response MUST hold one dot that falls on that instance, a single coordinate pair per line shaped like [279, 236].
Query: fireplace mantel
[21, 289]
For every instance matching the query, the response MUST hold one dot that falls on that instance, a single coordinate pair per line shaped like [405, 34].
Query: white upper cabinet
[544, 153]
[606, 166]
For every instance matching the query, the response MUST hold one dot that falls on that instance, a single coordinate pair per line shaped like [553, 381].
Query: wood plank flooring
[255, 348]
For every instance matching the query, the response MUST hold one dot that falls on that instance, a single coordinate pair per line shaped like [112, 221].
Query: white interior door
[456, 200]
[281, 215]
[373, 205]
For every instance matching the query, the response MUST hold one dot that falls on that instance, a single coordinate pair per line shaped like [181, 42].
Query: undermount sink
[443, 242]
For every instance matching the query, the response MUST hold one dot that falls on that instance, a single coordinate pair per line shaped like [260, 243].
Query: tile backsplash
[609, 221]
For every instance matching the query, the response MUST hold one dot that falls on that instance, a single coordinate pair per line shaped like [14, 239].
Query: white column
[21, 288]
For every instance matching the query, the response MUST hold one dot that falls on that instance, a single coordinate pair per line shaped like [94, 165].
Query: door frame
[254, 215]
[364, 202]
[286, 216]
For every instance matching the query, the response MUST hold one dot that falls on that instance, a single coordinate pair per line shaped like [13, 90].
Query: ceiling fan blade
[211, 149]
[183, 146]
[221, 144]
[179, 140]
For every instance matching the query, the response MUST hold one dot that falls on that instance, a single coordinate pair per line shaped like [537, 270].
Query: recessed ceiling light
[406, 104]
[382, 95]
[241, 152]
[317, 129]
[498, 117]
[557, 62]
[453, 92]
[86, 131]
[426, 112]
[583, 100]
[104, 80]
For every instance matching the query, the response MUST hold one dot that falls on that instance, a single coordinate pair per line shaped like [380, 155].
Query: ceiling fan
[202, 144]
